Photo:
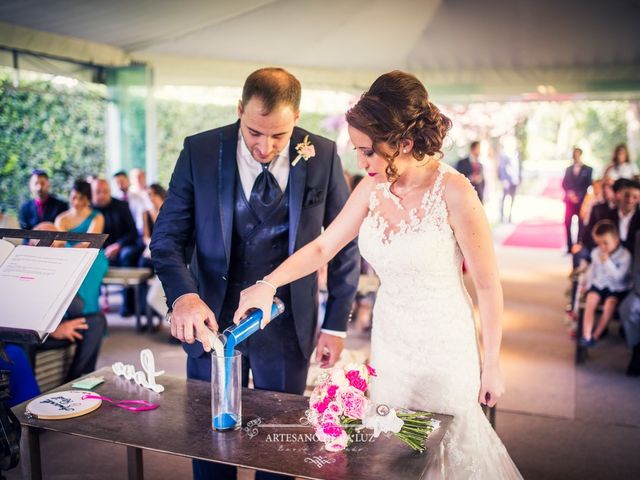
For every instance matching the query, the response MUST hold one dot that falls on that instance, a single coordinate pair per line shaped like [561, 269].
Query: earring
[404, 151]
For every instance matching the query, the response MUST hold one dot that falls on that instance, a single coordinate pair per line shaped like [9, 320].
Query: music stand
[10, 437]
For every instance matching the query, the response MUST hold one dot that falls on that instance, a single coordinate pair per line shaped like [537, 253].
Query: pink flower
[355, 380]
[338, 443]
[335, 408]
[308, 151]
[354, 402]
[323, 437]
[331, 391]
[329, 418]
[371, 370]
[332, 430]
[322, 406]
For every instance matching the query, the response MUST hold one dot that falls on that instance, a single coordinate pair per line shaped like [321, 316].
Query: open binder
[37, 283]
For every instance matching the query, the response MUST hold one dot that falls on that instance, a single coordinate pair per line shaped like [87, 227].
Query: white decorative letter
[148, 365]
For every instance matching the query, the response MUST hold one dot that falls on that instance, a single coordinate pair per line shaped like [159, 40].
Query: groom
[238, 194]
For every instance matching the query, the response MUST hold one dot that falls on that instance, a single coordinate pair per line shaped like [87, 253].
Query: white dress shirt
[614, 273]
[249, 168]
[623, 224]
[137, 206]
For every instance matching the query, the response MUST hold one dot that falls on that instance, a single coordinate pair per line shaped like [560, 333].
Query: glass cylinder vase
[226, 390]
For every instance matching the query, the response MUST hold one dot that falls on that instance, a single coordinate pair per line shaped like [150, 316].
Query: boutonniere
[305, 150]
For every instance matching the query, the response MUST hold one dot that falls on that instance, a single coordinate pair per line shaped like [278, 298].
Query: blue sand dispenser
[226, 369]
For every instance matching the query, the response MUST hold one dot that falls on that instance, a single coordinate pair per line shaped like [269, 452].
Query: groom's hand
[328, 349]
[191, 319]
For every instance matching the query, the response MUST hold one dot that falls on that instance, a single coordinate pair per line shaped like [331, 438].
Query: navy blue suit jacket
[50, 210]
[200, 207]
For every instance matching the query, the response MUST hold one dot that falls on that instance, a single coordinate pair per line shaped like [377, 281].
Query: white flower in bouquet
[387, 423]
[338, 378]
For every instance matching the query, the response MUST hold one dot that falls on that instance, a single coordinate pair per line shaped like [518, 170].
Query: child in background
[608, 280]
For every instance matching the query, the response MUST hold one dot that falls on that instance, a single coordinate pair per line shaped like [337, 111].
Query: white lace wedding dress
[424, 343]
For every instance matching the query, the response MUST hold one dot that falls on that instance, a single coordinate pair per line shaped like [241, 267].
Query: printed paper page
[37, 285]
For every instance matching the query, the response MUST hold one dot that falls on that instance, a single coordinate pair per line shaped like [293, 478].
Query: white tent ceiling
[483, 47]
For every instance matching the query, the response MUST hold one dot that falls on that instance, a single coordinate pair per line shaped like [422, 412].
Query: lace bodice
[417, 245]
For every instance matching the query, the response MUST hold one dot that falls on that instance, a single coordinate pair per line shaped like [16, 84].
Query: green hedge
[56, 128]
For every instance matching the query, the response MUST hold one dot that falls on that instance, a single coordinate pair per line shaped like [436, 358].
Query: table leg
[134, 463]
[136, 306]
[30, 453]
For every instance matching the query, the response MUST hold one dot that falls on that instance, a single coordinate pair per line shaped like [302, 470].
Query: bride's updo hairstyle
[397, 108]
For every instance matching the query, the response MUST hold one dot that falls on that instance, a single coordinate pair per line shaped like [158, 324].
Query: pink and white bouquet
[339, 407]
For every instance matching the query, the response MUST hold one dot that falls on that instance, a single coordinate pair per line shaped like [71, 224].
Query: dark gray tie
[265, 194]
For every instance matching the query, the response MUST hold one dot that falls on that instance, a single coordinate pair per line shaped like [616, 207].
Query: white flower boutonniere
[305, 150]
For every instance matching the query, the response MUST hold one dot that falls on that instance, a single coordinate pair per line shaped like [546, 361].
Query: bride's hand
[256, 297]
[491, 385]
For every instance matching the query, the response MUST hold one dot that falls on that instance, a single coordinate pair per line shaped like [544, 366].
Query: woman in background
[82, 218]
[621, 165]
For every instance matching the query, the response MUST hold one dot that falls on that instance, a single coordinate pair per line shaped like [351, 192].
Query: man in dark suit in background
[44, 207]
[471, 168]
[123, 246]
[576, 181]
[249, 201]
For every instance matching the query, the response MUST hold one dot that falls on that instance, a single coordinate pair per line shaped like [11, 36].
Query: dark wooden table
[272, 437]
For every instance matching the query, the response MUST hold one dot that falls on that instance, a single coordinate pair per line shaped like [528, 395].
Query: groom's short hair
[274, 86]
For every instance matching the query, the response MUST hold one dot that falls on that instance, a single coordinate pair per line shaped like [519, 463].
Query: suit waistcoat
[258, 246]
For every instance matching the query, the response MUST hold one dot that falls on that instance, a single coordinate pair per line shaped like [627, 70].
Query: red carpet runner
[540, 233]
[537, 235]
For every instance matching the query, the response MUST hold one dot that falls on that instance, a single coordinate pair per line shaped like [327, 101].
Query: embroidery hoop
[78, 405]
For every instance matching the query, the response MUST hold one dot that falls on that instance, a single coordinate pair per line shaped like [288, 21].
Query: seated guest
[139, 185]
[137, 203]
[44, 207]
[608, 280]
[157, 194]
[122, 247]
[594, 196]
[630, 316]
[624, 214]
[85, 331]
[628, 214]
[82, 218]
[22, 381]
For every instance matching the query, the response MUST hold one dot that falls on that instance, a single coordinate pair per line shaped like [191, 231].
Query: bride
[417, 219]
